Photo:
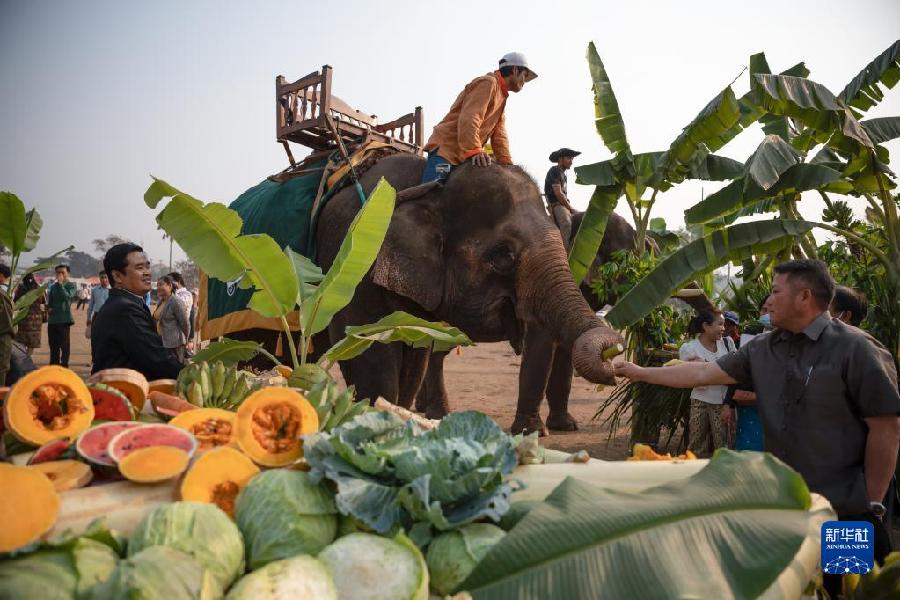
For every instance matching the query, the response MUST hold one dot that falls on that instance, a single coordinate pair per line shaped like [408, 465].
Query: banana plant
[689, 156]
[20, 231]
[283, 281]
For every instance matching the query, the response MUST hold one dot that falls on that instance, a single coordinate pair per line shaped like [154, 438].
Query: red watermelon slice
[110, 404]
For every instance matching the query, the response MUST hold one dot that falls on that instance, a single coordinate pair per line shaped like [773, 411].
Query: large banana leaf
[711, 167]
[708, 132]
[355, 257]
[210, 234]
[590, 234]
[700, 256]
[772, 157]
[744, 192]
[740, 528]
[812, 105]
[308, 274]
[12, 223]
[230, 352]
[863, 91]
[33, 225]
[397, 327]
[608, 118]
[882, 130]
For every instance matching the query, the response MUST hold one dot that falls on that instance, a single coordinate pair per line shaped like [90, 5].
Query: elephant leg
[412, 373]
[375, 373]
[558, 388]
[537, 358]
[437, 406]
[422, 396]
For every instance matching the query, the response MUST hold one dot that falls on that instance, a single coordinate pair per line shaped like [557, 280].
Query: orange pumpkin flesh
[269, 425]
[46, 404]
[217, 477]
[154, 464]
[29, 506]
[65, 474]
[131, 383]
[212, 427]
[166, 386]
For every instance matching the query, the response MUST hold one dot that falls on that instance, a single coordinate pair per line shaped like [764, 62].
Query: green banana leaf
[771, 159]
[700, 256]
[608, 117]
[742, 192]
[33, 225]
[863, 92]
[12, 223]
[810, 104]
[708, 132]
[308, 274]
[230, 352]
[711, 167]
[882, 130]
[355, 257]
[745, 526]
[23, 304]
[210, 235]
[590, 234]
[397, 327]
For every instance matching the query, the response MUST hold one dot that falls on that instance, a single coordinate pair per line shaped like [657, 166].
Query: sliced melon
[218, 476]
[46, 404]
[212, 427]
[270, 423]
[29, 506]
[154, 464]
[131, 383]
[92, 444]
[166, 386]
[110, 404]
[65, 474]
[58, 449]
[148, 435]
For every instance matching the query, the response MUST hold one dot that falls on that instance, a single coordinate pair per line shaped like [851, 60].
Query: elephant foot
[526, 424]
[561, 421]
[437, 412]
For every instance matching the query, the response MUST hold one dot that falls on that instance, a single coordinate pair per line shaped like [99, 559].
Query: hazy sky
[96, 95]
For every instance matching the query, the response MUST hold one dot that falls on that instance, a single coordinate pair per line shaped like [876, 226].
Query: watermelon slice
[59, 449]
[92, 443]
[148, 435]
[110, 404]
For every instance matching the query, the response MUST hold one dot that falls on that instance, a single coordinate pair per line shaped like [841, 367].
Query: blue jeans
[431, 168]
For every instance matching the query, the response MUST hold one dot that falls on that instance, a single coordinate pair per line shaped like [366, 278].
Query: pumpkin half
[217, 477]
[154, 464]
[65, 474]
[131, 383]
[212, 427]
[28, 506]
[46, 404]
[166, 386]
[269, 425]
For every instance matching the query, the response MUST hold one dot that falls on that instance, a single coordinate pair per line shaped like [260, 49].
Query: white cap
[517, 59]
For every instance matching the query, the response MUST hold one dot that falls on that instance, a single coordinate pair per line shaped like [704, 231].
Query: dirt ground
[484, 377]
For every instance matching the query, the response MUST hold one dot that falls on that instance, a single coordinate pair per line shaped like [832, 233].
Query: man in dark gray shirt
[826, 393]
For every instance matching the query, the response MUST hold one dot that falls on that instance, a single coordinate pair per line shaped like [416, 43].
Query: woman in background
[707, 430]
[29, 333]
[171, 318]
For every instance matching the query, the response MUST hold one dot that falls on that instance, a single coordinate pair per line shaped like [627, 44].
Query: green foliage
[590, 233]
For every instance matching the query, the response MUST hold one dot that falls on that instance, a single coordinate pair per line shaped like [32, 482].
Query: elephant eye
[501, 259]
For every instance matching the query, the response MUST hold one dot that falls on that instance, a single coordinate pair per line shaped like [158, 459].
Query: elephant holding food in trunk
[476, 251]
[546, 366]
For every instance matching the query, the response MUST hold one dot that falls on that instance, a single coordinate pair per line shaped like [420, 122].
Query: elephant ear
[411, 260]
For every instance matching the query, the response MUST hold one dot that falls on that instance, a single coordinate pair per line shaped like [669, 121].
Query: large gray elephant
[478, 252]
[546, 366]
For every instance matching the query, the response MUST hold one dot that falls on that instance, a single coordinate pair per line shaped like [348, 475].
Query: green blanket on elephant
[284, 211]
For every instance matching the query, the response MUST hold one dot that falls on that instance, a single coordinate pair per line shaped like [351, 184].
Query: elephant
[546, 367]
[476, 251]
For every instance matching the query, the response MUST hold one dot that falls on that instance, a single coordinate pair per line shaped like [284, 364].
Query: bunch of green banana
[213, 385]
[333, 405]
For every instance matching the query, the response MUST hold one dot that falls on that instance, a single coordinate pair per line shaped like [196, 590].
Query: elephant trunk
[547, 295]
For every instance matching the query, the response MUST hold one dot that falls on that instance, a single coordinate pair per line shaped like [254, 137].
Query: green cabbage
[282, 513]
[388, 472]
[158, 573]
[66, 568]
[199, 529]
[453, 555]
[371, 567]
[299, 577]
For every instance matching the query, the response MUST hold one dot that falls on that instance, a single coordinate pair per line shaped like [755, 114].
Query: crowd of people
[172, 319]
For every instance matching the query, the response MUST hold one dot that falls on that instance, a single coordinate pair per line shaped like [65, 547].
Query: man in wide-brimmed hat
[476, 117]
[556, 190]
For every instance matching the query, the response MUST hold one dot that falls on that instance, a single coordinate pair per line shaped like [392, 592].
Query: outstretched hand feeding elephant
[546, 366]
[478, 252]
